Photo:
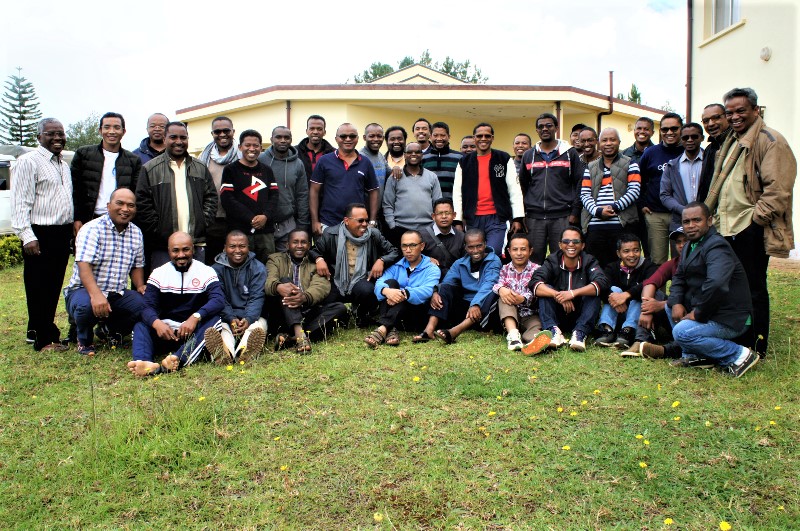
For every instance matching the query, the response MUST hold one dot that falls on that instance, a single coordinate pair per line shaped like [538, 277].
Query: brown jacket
[315, 287]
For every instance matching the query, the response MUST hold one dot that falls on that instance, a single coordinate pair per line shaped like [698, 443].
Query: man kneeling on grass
[242, 277]
[517, 305]
[465, 290]
[182, 300]
[568, 286]
[404, 291]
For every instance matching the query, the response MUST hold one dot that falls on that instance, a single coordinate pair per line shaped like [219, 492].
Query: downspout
[610, 102]
[689, 46]
[289, 114]
[558, 117]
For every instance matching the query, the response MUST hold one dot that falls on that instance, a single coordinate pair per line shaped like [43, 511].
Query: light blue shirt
[690, 174]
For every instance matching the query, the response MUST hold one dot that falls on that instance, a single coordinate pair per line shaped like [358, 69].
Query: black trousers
[318, 321]
[749, 247]
[403, 315]
[44, 276]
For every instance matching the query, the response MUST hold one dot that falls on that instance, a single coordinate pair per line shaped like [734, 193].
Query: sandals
[375, 338]
[421, 338]
[393, 338]
[444, 336]
[303, 345]
[280, 341]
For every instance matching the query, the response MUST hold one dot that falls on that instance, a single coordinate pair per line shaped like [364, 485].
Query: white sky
[149, 56]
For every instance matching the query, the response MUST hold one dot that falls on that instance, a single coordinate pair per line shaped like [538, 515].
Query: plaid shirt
[112, 254]
[518, 283]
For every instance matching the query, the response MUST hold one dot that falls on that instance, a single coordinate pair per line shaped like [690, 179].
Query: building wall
[732, 59]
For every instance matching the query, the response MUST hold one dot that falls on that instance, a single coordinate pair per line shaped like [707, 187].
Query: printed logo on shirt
[256, 186]
[195, 282]
[552, 164]
[499, 171]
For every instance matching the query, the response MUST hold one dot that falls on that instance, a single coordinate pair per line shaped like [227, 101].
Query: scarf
[720, 173]
[341, 276]
[211, 152]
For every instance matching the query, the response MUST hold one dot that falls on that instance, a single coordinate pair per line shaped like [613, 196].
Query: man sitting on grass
[568, 286]
[624, 298]
[403, 291]
[466, 290]
[517, 305]
[242, 277]
[182, 300]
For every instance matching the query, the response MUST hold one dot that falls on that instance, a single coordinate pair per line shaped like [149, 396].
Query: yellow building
[416, 91]
[748, 43]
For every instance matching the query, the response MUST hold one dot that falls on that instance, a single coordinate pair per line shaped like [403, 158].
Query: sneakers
[625, 338]
[253, 346]
[540, 342]
[634, 351]
[216, 347]
[737, 370]
[557, 339]
[694, 362]
[514, 340]
[87, 350]
[606, 337]
[578, 341]
[652, 351]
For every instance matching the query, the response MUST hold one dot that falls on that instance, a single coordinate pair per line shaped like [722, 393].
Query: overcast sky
[146, 56]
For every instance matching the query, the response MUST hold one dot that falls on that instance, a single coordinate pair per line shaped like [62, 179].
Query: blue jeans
[494, 229]
[609, 316]
[708, 340]
[146, 343]
[125, 311]
[583, 318]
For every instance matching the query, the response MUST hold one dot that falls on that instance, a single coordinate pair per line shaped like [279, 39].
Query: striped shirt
[41, 193]
[605, 196]
[112, 254]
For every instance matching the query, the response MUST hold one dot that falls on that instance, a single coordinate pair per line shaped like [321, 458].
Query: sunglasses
[481, 137]
[217, 132]
[567, 241]
[673, 129]
[690, 137]
[546, 126]
[360, 221]
[348, 137]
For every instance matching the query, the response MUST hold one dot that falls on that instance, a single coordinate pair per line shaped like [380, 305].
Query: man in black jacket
[98, 170]
[314, 145]
[710, 298]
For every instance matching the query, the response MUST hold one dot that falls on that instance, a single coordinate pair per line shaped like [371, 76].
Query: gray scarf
[341, 278]
[211, 152]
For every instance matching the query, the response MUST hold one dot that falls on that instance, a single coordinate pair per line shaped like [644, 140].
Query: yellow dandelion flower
[639, 436]
[415, 378]
[492, 413]
[34, 396]
[560, 409]
[532, 377]
[499, 397]
[155, 378]
[533, 417]
[573, 413]
[658, 387]
[780, 508]
[506, 371]
[645, 396]
[676, 403]
[646, 442]
[566, 448]
[229, 367]
[725, 526]
[676, 419]
[201, 398]
[284, 468]
[378, 517]
[777, 408]
[411, 363]
[584, 402]
[276, 438]
[596, 391]
[488, 377]
[757, 428]
[772, 423]
[668, 521]
[424, 367]
[642, 464]
[482, 428]
[708, 423]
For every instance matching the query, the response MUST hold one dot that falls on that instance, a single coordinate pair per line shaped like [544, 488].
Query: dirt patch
[785, 264]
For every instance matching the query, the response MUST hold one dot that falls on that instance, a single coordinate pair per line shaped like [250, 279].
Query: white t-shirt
[108, 183]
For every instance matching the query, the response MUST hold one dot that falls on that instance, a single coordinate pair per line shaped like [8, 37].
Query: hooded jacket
[145, 152]
[290, 174]
[302, 154]
[243, 287]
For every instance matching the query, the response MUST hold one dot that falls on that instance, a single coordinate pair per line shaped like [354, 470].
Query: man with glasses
[443, 243]
[353, 255]
[717, 127]
[680, 183]
[404, 291]
[152, 145]
[651, 167]
[550, 177]
[42, 215]
[588, 140]
[216, 155]
[342, 178]
[408, 202]
[486, 190]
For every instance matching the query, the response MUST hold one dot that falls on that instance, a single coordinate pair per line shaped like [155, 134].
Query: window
[726, 14]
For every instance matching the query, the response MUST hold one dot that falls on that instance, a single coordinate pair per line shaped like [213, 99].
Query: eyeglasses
[348, 137]
[217, 132]
[415, 152]
[443, 213]
[673, 129]
[156, 126]
[715, 117]
[360, 221]
[483, 137]
[54, 134]
[690, 137]
[546, 126]
[567, 241]
[409, 245]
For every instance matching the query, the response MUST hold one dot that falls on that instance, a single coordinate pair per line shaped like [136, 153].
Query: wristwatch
[373, 223]
[197, 316]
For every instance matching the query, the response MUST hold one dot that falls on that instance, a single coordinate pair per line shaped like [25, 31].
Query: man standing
[588, 140]
[108, 250]
[522, 143]
[396, 138]
[314, 145]
[175, 192]
[751, 192]
[651, 166]
[710, 299]
[468, 145]
[642, 133]
[408, 202]
[250, 196]
[717, 127]
[442, 160]
[550, 178]
[182, 300]
[443, 243]
[680, 183]
[354, 255]
[99, 170]
[216, 156]
[153, 144]
[340, 179]
[373, 141]
[574, 136]
[486, 190]
[422, 132]
[42, 217]
[290, 174]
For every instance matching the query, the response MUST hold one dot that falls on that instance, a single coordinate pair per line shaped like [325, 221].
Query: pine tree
[19, 111]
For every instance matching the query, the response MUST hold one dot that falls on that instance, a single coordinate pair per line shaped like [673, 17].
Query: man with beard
[314, 145]
[396, 138]
[440, 159]
[153, 144]
[290, 175]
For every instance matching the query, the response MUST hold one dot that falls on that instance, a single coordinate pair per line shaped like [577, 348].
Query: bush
[10, 251]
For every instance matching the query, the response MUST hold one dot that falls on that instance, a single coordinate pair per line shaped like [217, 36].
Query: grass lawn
[420, 436]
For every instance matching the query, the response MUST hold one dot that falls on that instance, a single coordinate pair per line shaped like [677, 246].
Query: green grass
[326, 441]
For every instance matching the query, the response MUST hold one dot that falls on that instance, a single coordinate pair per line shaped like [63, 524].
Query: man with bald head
[108, 250]
[342, 178]
[183, 299]
[152, 145]
[610, 187]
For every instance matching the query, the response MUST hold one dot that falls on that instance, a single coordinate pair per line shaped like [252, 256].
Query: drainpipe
[558, 116]
[610, 102]
[289, 114]
[689, 46]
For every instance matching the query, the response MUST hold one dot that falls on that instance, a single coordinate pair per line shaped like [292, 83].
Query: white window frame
[725, 14]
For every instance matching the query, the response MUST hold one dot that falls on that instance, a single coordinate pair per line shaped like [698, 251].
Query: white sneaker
[514, 340]
[558, 338]
[578, 341]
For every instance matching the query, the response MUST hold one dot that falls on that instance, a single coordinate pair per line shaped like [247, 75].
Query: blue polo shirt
[342, 184]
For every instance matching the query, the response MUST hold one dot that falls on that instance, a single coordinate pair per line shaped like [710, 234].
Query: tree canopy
[463, 70]
[19, 111]
[84, 132]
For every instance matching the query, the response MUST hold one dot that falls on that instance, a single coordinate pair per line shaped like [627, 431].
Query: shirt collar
[437, 231]
[684, 158]
[46, 153]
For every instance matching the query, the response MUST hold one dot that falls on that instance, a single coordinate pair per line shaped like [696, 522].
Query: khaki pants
[658, 236]
[528, 326]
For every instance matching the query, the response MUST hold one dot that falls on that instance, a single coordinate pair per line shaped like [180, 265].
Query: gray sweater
[408, 202]
[290, 174]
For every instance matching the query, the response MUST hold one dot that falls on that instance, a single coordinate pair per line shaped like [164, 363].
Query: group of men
[218, 245]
